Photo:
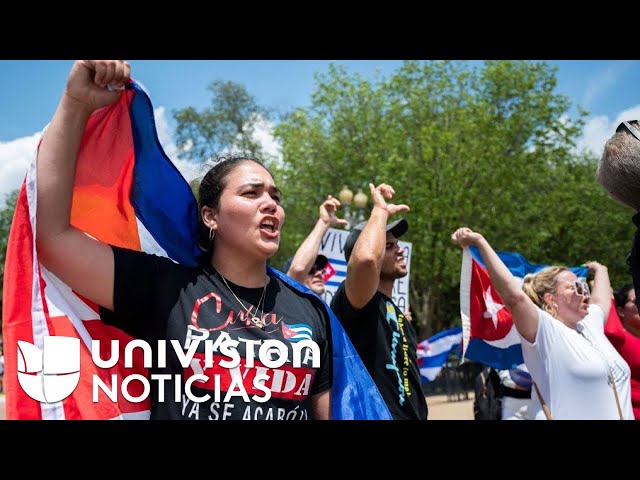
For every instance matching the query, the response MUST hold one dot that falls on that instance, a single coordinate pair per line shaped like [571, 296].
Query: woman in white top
[576, 369]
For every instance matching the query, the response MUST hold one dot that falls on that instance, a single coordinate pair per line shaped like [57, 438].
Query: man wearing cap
[378, 329]
[307, 266]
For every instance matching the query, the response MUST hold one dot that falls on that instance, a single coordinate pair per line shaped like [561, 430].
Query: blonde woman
[561, 323]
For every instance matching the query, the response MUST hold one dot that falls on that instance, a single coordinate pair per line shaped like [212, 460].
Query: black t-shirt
[386, 343]
[156, 300]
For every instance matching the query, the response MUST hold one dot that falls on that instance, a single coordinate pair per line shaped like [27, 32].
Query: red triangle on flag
[328, 272]
[286, 331]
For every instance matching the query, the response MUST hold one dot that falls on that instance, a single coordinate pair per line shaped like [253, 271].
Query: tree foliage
[228, 124]
[6, 217]
[488, 147]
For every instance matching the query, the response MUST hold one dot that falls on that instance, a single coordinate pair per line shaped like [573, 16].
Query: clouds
[15, 157]
[189, 170]
[599, 129]
[263, 134]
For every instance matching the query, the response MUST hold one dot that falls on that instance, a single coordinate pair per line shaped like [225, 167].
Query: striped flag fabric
[434, 352]
[127, 193]
[297, 332]
[488, 333]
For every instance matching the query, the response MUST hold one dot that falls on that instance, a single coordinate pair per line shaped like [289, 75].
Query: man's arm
[365, 263]
[308, 250]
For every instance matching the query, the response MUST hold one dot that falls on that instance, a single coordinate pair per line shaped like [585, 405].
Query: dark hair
[621, 295]
[211, 187]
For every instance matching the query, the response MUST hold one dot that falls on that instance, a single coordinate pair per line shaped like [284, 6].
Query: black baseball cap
[398, 228]
[319, 264]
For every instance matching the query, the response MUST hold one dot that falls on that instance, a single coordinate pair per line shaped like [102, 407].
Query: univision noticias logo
[51, 374]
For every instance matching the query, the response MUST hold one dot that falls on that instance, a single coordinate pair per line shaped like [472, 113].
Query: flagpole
[545, 409]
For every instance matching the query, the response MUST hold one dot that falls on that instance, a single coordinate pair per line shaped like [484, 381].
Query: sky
[30, 90]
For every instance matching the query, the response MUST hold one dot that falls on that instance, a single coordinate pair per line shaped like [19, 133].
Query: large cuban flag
[434, 352]
[488, 333]
[126, 193]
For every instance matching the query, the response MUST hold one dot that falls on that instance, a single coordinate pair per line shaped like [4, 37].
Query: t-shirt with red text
[156, 299]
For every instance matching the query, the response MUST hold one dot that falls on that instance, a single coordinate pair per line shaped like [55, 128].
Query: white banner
[332, 247]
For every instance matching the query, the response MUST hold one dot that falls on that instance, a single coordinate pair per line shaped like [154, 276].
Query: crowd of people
[571, 351]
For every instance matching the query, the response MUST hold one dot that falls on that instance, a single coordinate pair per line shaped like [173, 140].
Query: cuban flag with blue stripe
[126, 193]
[296, 332]
[335, 272]
[488, 333]
[434, 352]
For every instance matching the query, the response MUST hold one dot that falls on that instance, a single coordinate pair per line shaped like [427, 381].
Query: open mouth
[269, 225]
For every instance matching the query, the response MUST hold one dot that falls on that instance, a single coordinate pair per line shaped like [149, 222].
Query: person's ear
[209, 217]
[549, 299]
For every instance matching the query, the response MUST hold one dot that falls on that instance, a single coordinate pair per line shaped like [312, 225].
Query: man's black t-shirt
[386, 343]
[156, 300]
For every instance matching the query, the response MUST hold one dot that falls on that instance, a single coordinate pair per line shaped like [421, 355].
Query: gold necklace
[257, 321]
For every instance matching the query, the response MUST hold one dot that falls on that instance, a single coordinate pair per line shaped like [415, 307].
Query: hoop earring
[551, 309]
[212, 233]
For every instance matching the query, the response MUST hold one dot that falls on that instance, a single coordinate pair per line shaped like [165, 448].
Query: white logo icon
[51, 374]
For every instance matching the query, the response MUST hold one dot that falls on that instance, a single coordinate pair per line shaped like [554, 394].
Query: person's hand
[594, 266]
[465, 236]
[378, 195]
[97, 83]
[328, 212]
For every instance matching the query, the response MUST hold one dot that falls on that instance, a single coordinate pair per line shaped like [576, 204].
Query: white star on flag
[492, 307]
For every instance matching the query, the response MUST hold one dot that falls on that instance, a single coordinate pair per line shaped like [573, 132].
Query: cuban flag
[488, 333]
[126, 193]
[335, 272]
[297, 332]
[434, 352]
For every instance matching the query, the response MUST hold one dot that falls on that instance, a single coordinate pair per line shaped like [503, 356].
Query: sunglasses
[630, 128]
[581, 288]
[315, 269]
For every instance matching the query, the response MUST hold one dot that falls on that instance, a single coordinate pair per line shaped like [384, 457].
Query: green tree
[6, 217]
[488, 147]
[195, 187]
[229, 124]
